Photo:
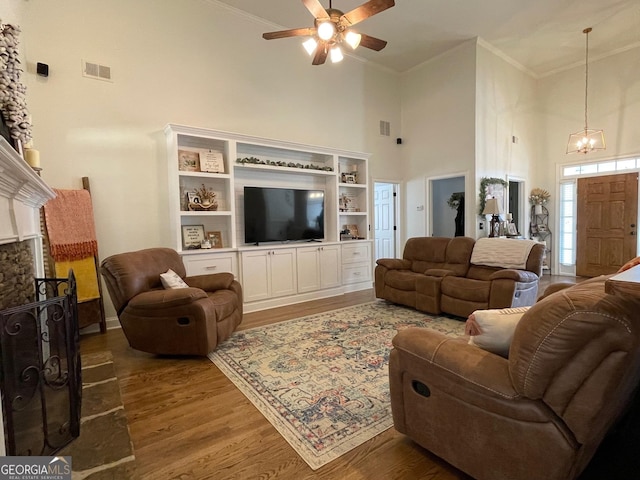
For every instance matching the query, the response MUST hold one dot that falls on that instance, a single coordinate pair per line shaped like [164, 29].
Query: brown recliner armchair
[541, 413]
[182, 321]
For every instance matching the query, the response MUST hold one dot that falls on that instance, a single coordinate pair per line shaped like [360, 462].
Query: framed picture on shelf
[188, 161]
[215, 238]
[192, 236]
[349, 178]
[542, 228]
[211, 161]
[512, 229]
[192, 197]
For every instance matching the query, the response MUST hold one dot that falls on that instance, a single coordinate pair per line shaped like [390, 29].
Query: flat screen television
[282, 214]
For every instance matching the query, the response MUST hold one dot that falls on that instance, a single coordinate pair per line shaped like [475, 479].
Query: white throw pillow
[171, 279]
[497, 328]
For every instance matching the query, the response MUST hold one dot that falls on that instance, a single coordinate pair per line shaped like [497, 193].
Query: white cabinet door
[308, 269]
[318, 268]
[330, 266]
[268, 273]
[255, 275]
[283, 272]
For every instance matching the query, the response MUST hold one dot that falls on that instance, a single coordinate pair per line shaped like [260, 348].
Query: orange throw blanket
[70, 225]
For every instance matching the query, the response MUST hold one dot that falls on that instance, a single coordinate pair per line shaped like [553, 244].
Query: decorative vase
[537, 209]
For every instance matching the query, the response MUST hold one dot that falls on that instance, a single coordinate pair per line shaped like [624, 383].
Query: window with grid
[567, 237]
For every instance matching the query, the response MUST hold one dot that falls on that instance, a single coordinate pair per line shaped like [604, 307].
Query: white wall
[505, 108]
[194, 62]
[614, 106]
[438, 125]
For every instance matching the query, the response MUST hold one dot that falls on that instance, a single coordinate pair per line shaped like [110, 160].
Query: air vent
[385, 128]
[96, 71]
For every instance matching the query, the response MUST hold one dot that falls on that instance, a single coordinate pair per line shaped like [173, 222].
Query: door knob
[633, 225]
[633, 233]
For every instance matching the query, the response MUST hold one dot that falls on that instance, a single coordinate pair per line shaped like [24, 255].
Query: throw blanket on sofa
[502, 252]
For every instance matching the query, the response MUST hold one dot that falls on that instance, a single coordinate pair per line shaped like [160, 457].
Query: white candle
[32, 156]
[509, 217]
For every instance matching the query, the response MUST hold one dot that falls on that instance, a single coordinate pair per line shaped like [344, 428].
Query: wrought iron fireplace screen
[40, 372]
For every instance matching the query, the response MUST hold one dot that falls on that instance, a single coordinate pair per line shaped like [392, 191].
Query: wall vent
[385, 128]
[96, 71]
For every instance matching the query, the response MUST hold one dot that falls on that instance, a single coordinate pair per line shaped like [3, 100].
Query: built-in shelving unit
[235, 161]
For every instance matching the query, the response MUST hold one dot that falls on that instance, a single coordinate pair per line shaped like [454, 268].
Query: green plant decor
[482, 196]
[454, 199]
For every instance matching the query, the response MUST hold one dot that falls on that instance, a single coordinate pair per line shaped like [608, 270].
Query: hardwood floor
[188, 421]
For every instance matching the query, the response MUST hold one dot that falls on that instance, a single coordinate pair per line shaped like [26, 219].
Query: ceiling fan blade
[316, 9]
[372, 42]
[365, 11]
[294, 32]
[321, 54]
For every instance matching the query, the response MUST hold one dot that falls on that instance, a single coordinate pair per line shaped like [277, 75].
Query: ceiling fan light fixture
[331, 28]
[310, 45]
[353, 39]
[336, 55]
[326, 30]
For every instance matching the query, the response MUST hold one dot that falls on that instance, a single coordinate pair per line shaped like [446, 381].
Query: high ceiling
[543, 36]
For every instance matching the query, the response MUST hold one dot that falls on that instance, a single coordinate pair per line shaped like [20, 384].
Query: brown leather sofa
[541, 413]
[436, 276]
[182, 321]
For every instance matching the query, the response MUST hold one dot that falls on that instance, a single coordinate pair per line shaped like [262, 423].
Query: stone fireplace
[16, 274]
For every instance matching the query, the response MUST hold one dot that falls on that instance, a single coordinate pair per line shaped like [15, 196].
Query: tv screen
[282, 214]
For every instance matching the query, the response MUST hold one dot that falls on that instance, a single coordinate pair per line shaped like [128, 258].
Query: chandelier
[587, 140]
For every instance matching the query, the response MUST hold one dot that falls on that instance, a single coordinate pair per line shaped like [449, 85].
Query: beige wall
[438, 125]
[192, 62]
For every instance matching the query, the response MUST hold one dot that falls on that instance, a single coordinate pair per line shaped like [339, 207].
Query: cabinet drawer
[356, 272]
[358, 252]
[210, 263]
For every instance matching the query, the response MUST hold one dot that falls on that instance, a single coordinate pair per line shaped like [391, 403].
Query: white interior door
[385, 225]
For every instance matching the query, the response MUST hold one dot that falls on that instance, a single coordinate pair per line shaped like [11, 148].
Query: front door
[606, 223]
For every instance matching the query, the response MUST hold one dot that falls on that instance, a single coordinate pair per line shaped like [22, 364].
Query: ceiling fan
[332, 28]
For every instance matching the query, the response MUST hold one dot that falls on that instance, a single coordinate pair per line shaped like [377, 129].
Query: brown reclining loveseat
[438, 274]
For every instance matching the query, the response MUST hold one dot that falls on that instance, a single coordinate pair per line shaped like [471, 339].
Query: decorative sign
[192, 236]
[211, 161]
[188, 161]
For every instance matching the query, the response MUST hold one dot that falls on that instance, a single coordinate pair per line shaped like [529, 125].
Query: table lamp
[492, 207]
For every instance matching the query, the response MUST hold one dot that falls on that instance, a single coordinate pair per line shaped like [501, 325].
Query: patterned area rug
[322, 380]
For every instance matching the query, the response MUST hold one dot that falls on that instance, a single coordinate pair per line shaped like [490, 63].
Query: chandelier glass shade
[586, 140]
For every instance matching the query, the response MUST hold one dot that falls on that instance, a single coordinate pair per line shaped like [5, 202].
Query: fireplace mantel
[22, 193]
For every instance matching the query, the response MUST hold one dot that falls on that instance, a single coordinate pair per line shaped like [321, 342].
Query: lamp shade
[492, 207]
